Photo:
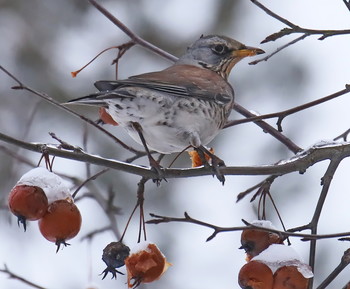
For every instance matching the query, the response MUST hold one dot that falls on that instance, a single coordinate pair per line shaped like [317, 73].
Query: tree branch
[266, 128]
[283, 114]
[217, 229]
[165, 54]
[134, 37]
[274, 15]
[19, 278]
[267, 57]
[344, 262]
[326, 182]
[347, 4]
[295, 28]
[300, 162]
[47, 98]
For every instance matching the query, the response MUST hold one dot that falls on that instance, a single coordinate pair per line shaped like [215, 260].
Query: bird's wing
[112, 85]
[178, 80]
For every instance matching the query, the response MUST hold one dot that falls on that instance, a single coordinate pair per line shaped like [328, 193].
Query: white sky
[213, 264]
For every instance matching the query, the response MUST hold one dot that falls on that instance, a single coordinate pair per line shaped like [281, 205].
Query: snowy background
[43, 41]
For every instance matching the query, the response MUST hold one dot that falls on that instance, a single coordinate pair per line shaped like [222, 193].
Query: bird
[185, 105]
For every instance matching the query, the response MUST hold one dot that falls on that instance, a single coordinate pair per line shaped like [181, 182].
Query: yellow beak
[248, 51]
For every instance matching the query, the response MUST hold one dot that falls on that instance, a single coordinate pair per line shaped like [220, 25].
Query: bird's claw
[157, 168]
[216, 163]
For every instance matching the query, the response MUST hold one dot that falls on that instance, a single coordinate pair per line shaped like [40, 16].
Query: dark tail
[92, 99]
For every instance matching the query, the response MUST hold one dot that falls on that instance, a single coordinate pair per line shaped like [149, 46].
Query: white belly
[168, 124]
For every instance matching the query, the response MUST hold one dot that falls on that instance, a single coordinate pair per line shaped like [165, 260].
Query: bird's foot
[158, 169]
[216, 162]
[155, 166]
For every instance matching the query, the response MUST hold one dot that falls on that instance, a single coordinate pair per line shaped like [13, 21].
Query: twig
[165, 54]
[217, 229]
[63, 144]
[347, 4]
[17, 156]
[274, 15]
[241, 195]
[295, 28]
[138, 154]
[301, 162]
[19, 278]
[121, 51]
[326, 182]
[59, 105]
[93, 177]
[106, 204]
[343, 136]
[279, 49]
[267, 128]
[92, 234]
[85, 147]
[345, 260]
[134, 37]
[139, 204]
[283, 114]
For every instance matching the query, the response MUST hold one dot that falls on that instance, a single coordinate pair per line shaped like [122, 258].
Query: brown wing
[177, 80]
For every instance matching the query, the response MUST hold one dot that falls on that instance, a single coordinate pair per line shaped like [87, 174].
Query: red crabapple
[27, 203]
[61, 222]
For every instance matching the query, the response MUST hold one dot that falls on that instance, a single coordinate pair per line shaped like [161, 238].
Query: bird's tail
[92, 99]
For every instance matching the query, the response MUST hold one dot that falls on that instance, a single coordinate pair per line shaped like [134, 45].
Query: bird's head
[217, 53]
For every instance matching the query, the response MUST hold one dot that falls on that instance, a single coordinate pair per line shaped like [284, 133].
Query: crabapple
[61, 222]
[27, 203]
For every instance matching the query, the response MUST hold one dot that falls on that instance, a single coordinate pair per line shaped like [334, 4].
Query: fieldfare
[182, 106]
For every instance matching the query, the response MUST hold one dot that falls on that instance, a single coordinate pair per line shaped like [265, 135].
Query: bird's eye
[220, 49]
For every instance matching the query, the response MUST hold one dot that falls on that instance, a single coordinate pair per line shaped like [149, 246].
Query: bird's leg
[216, 162]
[152, 162]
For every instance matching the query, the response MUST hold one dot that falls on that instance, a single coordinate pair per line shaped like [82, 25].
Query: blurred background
[43, 41]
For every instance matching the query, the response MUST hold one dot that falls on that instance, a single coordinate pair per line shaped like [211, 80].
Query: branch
[16, 156]
[283, 114]
[242, 195]
[345, 260]
[107, 206]
[267, 128]
[134, 37]
[284, 234]
[295, 28]
[94, 233]
[326, 182]
[137, 39]
[19, 278]
[22, 86]
[187, 219]
[347, 4]
[299, 163]
[274, 15]
[343, 136]
[91, 178]
[267, 57]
